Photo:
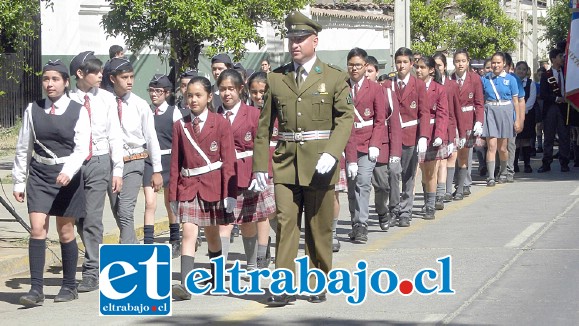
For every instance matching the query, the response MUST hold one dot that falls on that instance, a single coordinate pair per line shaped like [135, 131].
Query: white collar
[360, 82]
[202, 117]
[163, 107]
[428, 83]
[233, 110]
[405, 80]
[307, 65]
[62, 102]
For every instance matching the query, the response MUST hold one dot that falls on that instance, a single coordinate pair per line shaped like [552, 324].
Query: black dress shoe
[384, 222]
[528, 169]
[280, 300]
[429, 213]
[392, 219]
[564, 168]
[360, 233]
[88, 284]
[317, 298]
[458, 196]
[404, 222]
[66, 294]
[180, 293]
[466, 191]
[32, 298]
[335, 246]
[544, 168]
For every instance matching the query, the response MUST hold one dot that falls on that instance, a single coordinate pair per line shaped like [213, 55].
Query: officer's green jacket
[322, 103]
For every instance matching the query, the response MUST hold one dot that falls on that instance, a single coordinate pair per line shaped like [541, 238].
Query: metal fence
[19, 87]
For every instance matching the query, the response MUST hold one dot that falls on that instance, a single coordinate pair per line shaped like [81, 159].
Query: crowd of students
[80, 143]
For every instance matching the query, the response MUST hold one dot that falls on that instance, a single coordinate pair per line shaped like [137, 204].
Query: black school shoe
[317, 298]
[280, 300]
[66, 294]
[88, 284]
[32, 298]
[180, 293]
[439, 203]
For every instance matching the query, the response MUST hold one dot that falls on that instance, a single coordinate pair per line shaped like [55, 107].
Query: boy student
[106, 147]
[164, 116]
[362, 148]
[115, 51]
[138, 128]
[219, 63]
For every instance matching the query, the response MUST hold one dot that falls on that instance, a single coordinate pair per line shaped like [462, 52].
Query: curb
[17, 264]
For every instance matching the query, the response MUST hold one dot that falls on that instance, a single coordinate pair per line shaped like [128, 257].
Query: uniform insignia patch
[322, 88]
[274, 132]
[317, 69]
[247, 136]
[470, 95]
[213, 146]
[506, 82]
[413, 105]
[367, 112]
[349, 99]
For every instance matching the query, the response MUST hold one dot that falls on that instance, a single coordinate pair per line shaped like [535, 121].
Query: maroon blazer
[470, 94]
[244, 129]
[370, 103]
[438, 104]
[453, 108]
[217, 143]
[412, 105]
[391, 142]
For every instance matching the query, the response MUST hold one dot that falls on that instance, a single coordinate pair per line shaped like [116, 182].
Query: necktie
[228, 114]
[87, 106]
[157, 111]
[561, 82]
[196, 127]
[401, 86]
[355, 90]
[300, 76]
[52, 109]
[459, 83]
[120, 109]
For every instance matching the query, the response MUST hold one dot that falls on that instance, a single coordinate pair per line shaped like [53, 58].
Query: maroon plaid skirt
[253, 206]
[202, 213]
[434, 153]
[342, 185]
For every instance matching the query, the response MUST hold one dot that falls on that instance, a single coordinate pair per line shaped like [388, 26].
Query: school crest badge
[322, 88]
[506, 82]
[213, 146]
[470, 95]
[367, 112]
[413, 105]
[247, 136]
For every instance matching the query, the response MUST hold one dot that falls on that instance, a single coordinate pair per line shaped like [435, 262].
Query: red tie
[157, 111]
[52, 109]
[355, 90]
[87, 106]
[228, 114]
[460, 83]
[120, 109]
[196, 126]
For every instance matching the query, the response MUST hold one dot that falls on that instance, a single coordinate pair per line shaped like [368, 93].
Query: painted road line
[576, 192]
[523, 236]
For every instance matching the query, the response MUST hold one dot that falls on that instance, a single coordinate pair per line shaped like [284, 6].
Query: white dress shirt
[202, 118]
[233, 110]
[25, 144]
[138, 127]
[532, 96]
[307, 67]
[163, 108]
[360, 82]
[107, 136]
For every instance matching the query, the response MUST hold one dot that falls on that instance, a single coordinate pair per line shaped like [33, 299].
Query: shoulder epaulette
[335, 67]
[392, 75]
[283, 69]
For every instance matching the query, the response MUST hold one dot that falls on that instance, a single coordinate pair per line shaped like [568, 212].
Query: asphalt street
[515, 261]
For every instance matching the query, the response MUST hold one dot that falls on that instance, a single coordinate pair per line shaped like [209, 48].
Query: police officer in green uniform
[311, 101]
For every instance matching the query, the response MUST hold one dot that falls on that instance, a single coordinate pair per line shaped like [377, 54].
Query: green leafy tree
[185, 25]
[556, 22]
[485, 28]
[431, 26]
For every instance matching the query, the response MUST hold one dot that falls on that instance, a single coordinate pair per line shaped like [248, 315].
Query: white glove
[174, 206]
[461, 143]
[229, 204]
[477, 129]
[373, 153]
[254, 186]
[325, 163]
[261, 178]
[394, 159]
[450, 148]
[422, 145]
[352, 170]
[437, 142]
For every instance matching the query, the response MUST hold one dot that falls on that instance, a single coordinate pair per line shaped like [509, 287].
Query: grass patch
[9, 138]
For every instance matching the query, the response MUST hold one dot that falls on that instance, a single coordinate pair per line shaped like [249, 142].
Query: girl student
[164, 117]
[442, 188]
[410, 92]
[470, 116]
[257, 86]
[431, 153]
[525, 137]
[501, 99]
[202, 183]
[253, 203]
[53, 144]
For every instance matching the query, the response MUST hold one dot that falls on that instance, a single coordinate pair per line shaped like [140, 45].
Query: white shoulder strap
[495, 89]
[358, 115]
[197, 148]
[48, 151]
[389, 91]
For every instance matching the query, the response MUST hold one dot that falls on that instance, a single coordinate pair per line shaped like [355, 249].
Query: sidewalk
[14, 238]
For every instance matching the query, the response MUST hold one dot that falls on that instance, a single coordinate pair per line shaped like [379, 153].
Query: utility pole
[401, 25]
[535, 64]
